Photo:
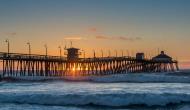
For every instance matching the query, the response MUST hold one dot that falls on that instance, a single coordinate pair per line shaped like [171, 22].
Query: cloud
[73, 38]
[93, 29]
[118, 38]
[129, 38]
[9, 34]
[102, 37]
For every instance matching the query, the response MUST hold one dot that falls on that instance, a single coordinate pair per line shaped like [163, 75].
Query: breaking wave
[113, 100]
[144, 78]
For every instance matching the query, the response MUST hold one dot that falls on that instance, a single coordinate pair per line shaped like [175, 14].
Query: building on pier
[162, 57]
[139, 56]
[72, 53]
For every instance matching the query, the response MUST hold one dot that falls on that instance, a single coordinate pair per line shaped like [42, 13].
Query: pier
[17, 64]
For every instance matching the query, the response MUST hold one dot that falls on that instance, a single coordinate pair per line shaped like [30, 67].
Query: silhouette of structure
[72, 53]
[16, 64]
[162, 57]
[140, 56]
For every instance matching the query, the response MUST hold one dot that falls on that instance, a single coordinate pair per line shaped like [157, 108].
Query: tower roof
[72, 48]
[162, 55]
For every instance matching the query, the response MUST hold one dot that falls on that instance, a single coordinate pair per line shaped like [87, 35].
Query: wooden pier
[16, 64]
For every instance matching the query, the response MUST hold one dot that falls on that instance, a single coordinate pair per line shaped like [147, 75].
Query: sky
[145, 26]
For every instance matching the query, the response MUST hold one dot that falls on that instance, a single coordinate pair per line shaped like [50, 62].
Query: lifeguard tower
[72, 53]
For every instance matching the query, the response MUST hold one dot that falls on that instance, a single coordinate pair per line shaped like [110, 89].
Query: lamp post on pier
[8, 46]
[60, 51]
[94, 53]
[102, 53]
[46, 48]
[109, 53]
[116, 53]
[29, 48]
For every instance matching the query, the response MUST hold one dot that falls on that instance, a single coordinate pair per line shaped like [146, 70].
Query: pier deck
[16, 64]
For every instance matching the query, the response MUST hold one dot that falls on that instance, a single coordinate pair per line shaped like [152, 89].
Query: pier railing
[15, 56]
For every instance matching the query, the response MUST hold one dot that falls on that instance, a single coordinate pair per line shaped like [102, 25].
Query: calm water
[56, 95]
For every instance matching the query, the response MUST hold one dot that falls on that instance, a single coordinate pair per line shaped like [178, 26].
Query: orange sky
[133, 26]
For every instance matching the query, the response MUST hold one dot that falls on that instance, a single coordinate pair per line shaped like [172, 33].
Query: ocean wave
[144, 78]
[177, 77]
[114, 100]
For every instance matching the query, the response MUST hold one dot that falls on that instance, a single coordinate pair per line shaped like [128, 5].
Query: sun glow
[73, 69]
[78, 68]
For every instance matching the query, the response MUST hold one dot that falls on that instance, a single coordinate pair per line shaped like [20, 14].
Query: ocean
[78, 95]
